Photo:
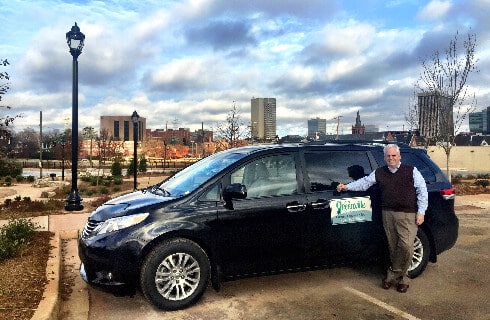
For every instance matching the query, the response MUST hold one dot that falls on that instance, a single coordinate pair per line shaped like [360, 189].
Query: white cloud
[348, 40]
[343, 67]
[318, 58]
[435, 10]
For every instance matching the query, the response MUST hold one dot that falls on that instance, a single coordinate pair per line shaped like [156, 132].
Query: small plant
[14, 235]
[131, 168]
[8, 181]
[456, 179]
[30, 179]
[7, 202]
[482, 182]
[19, 178]
[104, 190]
[118, 180]
[116, 168]
[30, 208]
[142, 165]
[88, 192]
[52, 204]
[44, 194]
[18, 198]
[10, 168]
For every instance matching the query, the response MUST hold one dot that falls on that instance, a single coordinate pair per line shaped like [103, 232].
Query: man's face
[392, 158]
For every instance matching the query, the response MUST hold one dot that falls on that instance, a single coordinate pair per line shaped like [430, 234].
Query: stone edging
[49, 306]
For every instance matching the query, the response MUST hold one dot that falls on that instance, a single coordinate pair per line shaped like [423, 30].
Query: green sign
[351, 210]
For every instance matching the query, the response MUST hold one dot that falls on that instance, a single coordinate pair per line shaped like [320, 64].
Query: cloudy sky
[180, 63]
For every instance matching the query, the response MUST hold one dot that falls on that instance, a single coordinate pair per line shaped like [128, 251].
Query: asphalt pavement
[449, 289]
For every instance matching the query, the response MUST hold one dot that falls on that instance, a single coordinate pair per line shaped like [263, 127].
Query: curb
[49, 306]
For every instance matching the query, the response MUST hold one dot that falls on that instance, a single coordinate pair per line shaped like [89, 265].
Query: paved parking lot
[456, 287]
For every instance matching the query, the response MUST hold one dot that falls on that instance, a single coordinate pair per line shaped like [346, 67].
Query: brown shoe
[386, 284]
[401, 287]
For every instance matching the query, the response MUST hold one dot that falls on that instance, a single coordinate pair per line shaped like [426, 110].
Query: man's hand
[420, 219]
[341, 187]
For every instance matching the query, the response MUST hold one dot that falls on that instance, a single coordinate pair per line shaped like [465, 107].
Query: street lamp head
[75, 40]
[135, 117]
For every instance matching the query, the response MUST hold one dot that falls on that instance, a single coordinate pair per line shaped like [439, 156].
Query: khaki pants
[400, 229]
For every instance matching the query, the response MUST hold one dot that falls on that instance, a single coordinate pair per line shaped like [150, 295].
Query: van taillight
[448, 194]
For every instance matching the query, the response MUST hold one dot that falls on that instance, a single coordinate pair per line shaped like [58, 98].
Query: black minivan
[254, 210]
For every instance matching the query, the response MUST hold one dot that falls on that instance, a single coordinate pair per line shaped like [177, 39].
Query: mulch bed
[23, 278]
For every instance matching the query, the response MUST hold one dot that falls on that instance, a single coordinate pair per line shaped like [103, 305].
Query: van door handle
[296, 207]
[320, 204]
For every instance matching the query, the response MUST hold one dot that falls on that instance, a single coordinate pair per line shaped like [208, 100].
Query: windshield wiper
[157, 190]
[165, 192]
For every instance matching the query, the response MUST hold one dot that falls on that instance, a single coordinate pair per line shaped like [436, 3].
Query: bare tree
[445, 77]
[233, 129]
[5, 120]
[89, 133]
[412, 116]
[27, 143]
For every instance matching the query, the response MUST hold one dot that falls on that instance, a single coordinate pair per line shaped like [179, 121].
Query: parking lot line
[381, 304]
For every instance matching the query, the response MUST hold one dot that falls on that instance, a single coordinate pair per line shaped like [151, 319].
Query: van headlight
[119, 223]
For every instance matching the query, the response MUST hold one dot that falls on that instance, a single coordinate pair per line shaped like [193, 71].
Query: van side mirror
[235, 191]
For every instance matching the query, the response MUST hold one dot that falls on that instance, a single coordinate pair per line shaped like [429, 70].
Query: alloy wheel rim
[178, 276]
[418, 254]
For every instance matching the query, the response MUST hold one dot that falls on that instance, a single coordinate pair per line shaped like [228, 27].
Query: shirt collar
[396, 169]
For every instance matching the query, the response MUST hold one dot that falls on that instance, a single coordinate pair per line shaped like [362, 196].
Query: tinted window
[190, 178]
[268, 176]
[327, 169]
[414, 160]
[212, 194]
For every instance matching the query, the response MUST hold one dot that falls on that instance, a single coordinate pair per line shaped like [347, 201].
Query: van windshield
[190, 178]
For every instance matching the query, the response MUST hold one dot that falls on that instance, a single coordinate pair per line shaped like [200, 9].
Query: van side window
[212, 194]
[415, 161]
[326, 170]
[268, 176]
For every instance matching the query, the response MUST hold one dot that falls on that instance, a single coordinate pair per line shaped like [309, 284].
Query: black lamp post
[135, 119]
[75, 40]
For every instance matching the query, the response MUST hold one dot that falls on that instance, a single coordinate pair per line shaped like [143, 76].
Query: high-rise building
[263, 118]
[435, 115]
[479, 122]
[120, 128]
[317, 128]
[475, 120]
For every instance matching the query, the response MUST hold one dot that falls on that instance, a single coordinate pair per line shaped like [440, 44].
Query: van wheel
[175, 274]
[421, 255]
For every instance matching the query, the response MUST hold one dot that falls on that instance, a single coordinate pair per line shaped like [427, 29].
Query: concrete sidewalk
[58, 223]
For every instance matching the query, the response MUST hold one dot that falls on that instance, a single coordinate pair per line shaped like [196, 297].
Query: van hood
[131, 203]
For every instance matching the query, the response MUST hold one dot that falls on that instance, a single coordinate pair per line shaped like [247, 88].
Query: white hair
[391, 145]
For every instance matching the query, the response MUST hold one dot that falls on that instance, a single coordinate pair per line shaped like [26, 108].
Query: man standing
[404, 200]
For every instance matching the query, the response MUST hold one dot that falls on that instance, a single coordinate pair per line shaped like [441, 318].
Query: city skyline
[192, 60]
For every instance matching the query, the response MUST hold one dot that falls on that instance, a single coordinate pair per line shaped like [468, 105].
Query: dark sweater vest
[397, 189]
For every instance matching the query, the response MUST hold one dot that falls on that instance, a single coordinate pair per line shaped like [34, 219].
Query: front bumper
[103, 278]
[109, 261]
